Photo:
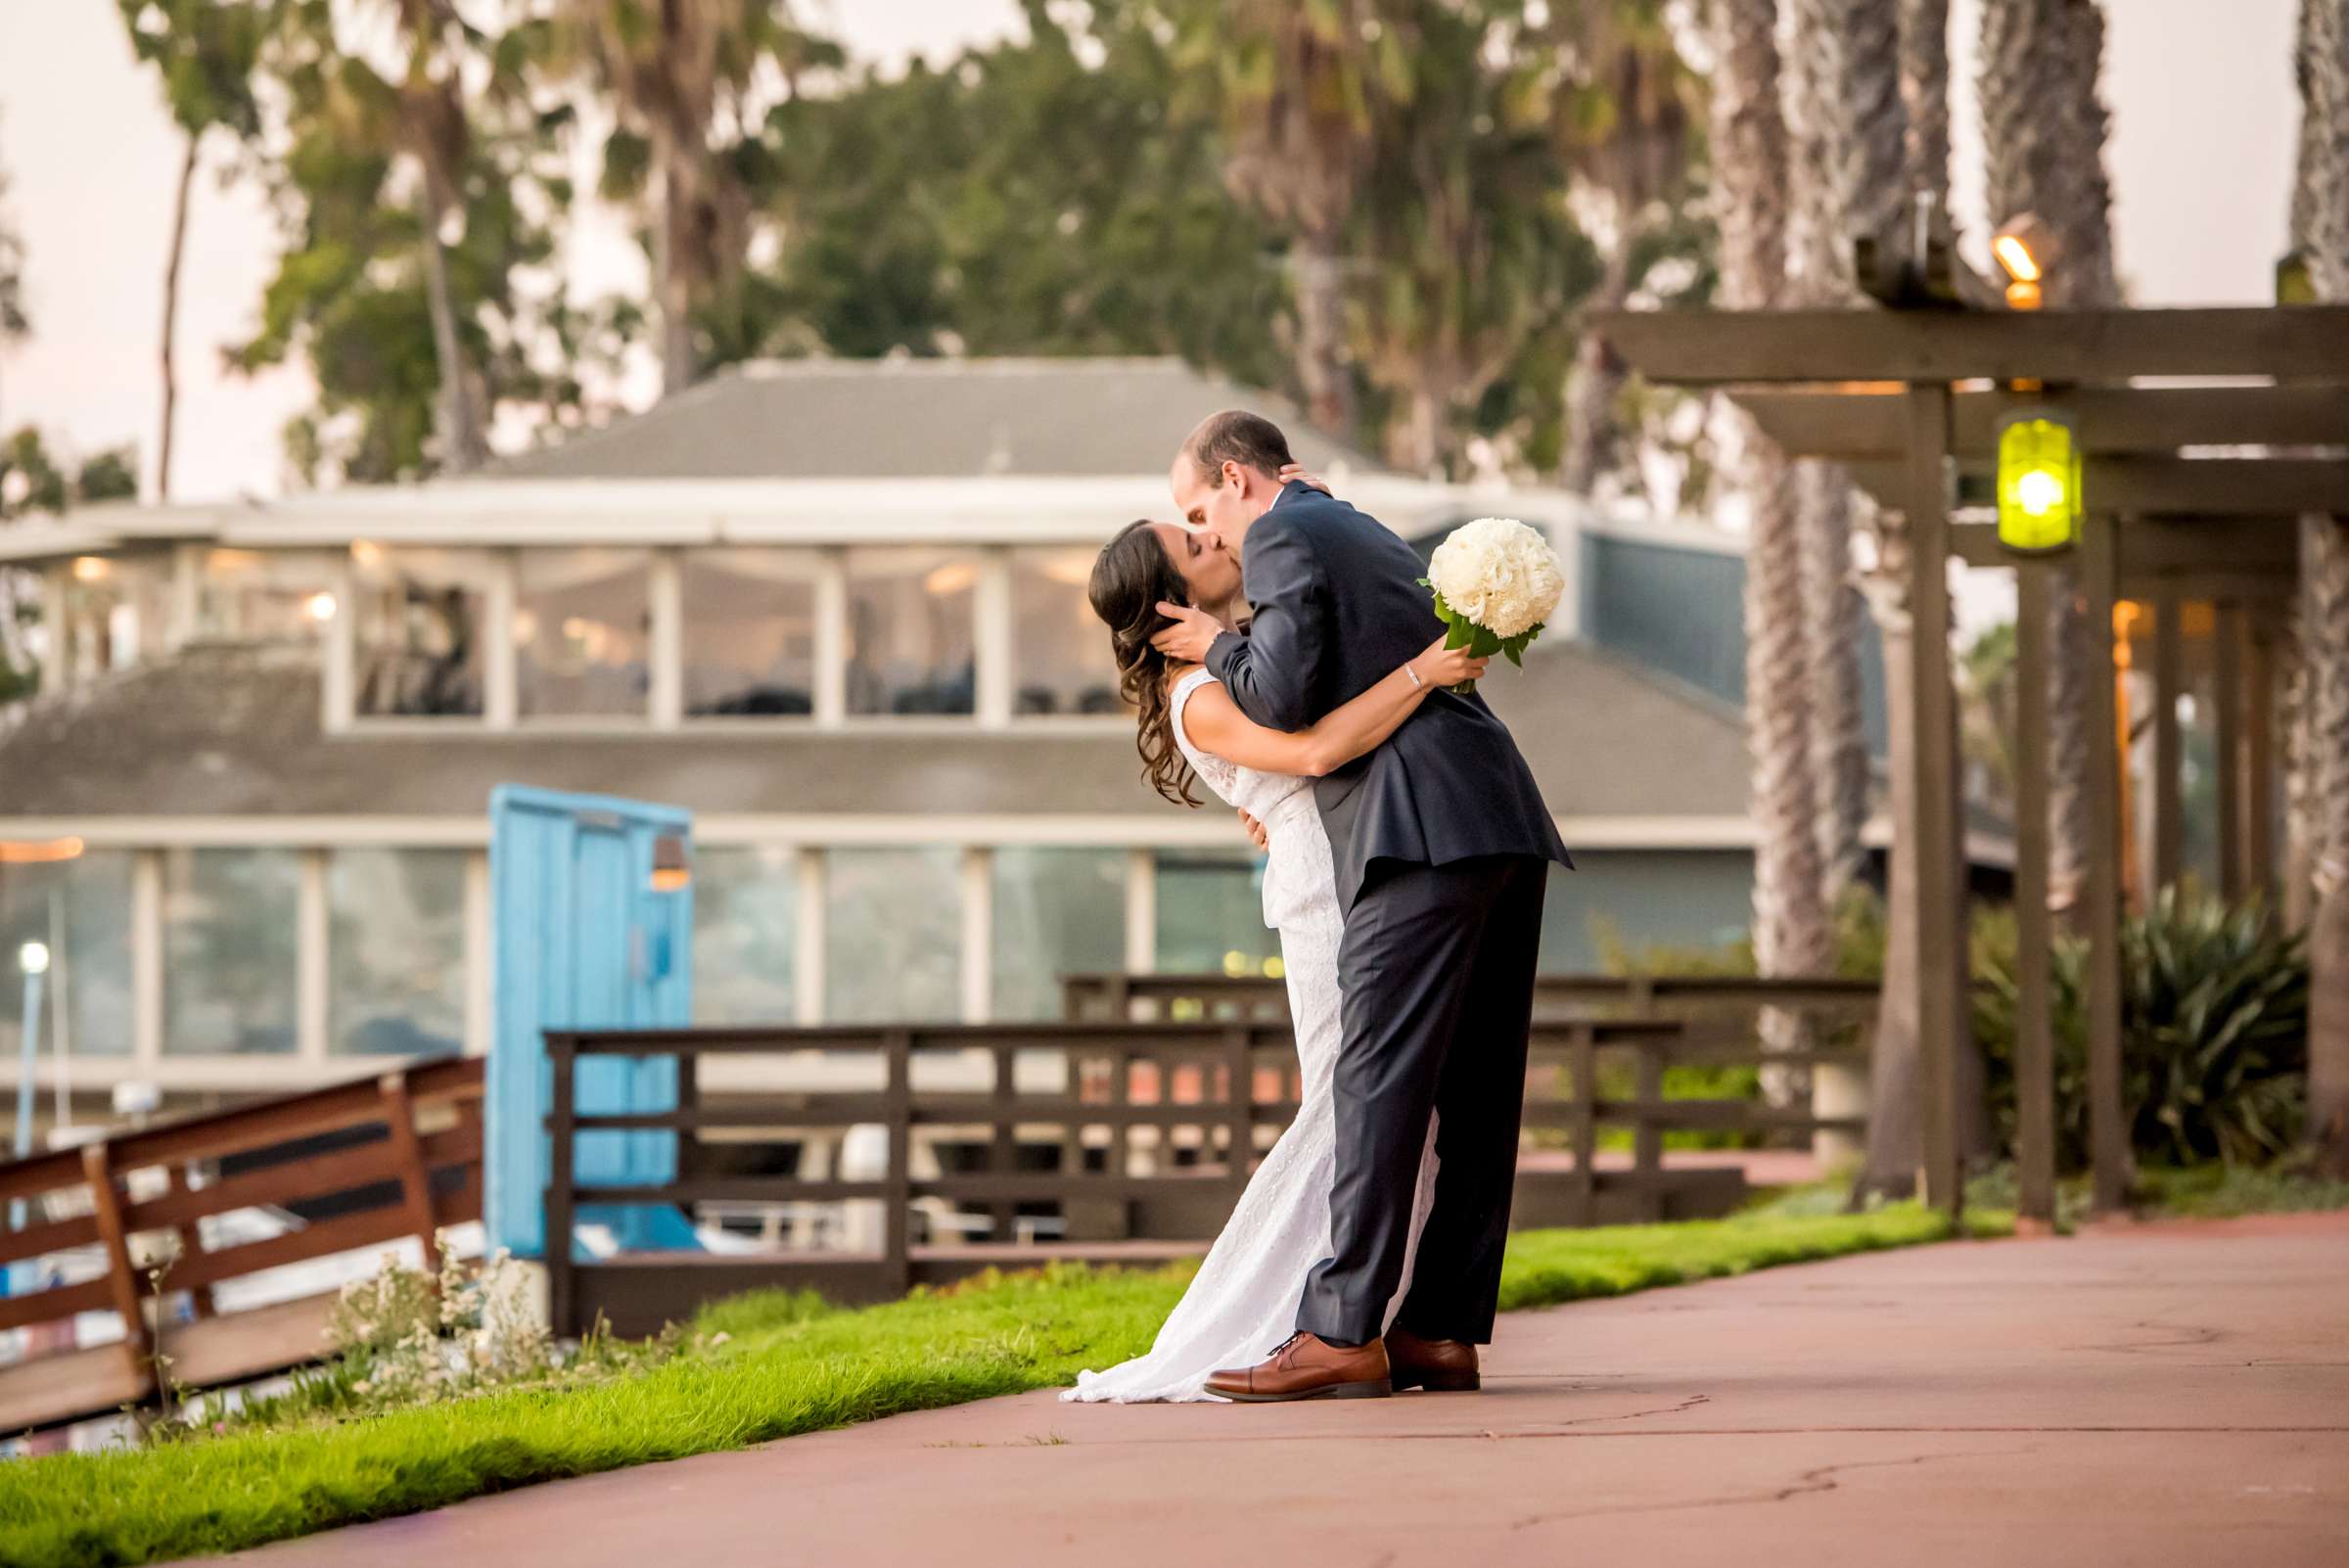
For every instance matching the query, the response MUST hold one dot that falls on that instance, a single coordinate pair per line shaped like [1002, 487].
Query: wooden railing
[1833, 998]
[139, 1198]
[1230, 1084]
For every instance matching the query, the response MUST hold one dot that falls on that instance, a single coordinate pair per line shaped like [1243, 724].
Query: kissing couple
[1407, 850]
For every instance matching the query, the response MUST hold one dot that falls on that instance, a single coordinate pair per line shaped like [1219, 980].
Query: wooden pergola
[2205, 435]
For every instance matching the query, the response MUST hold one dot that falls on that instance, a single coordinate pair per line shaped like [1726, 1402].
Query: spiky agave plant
[2214, 1034]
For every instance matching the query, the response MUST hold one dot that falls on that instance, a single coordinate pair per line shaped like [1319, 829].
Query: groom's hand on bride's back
[1187, 640]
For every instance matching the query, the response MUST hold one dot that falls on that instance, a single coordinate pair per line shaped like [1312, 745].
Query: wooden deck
[210, 1352]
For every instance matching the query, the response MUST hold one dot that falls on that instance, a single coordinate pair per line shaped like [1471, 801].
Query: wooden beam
[2240, 547]
[2108, 1131]
[2035, 1020]
[1854, 424]
[2213, 488]
[2169, 753]
[2227, 733]
[1718, 347]
[1940, 876]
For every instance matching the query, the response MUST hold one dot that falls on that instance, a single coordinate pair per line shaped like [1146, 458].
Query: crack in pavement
[1822, 1478]
[2188, 1334]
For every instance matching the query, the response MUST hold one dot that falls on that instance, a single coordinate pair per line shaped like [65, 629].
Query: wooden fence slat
[121, 1279]
[562, 1112]
[415, 1178]
[56, 1302]
[191, 1246]
[897, 1215]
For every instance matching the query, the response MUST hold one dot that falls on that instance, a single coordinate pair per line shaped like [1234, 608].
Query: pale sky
[2205, 123]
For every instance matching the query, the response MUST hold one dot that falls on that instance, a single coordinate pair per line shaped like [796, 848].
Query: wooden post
[1003, 1149]
[1939, 878]
[561, 1054]
[2035, 1040]
[1647, 1135]
[2169, 681]
[897, 1217]
[1239, 1107]
[191, 1245]
[415, 1180]
[689, 1103]
[2108, 1131]
[2227, 641]
[1581, 1041]
[123, 1281]
[2259, 760]
[1121, 1151]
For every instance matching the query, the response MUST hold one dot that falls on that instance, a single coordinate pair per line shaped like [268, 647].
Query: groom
[1442, 847]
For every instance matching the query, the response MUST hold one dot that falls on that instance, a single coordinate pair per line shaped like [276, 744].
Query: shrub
[2214, 1042]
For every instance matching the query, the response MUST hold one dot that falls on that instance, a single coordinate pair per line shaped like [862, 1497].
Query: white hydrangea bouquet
[1496, 581]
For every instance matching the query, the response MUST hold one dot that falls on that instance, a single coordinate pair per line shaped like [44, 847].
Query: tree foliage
[350, 291]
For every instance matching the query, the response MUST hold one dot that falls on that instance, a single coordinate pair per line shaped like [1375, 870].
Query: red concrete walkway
[2162, 1395]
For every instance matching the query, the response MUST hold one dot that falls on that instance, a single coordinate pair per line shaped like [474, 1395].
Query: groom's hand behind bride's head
[1187, 640]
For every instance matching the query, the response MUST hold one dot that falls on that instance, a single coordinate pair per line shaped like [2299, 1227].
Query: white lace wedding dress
[1243, 1304]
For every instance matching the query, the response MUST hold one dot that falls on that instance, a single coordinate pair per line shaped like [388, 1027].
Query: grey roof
[235, 731]
[922, 418]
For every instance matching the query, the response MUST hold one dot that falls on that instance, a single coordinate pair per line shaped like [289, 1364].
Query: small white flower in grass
[1496, 582]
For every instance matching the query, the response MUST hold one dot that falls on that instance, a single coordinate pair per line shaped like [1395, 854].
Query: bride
[1243, 1304]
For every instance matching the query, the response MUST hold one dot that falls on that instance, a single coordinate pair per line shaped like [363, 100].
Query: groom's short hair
[1235, 435]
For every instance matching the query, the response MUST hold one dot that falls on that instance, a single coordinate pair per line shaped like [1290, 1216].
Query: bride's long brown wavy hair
[1131, 574]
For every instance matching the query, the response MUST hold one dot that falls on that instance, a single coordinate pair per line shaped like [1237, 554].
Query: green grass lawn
[786, 1364]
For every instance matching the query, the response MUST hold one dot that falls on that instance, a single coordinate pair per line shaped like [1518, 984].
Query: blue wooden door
[582, 939]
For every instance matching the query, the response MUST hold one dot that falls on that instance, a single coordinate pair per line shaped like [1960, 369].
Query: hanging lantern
[2039, 481]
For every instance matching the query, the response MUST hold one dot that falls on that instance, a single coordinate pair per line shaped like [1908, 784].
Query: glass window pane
[115, 609]
[749, 632]
[1211, 914]
[581, 633]
[228, 950]
[80, 910]
[1060, 651]
[745, 917]
[420, 626]
[397, 951]
[893, 935]
[909, 636]
[261, 596]
[1057, 912]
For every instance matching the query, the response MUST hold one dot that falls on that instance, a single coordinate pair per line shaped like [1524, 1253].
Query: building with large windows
[835, 609]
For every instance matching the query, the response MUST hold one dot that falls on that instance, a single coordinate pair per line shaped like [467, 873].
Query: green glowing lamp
[2039, 481]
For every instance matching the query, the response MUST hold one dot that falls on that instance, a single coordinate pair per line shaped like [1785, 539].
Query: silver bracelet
[1414, 673]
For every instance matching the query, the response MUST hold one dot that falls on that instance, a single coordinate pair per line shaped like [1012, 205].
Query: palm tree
[206, 53]
[2324, 208]
[439, 135]
[1624, 108]
[1466, 255]
[1925, 100]
[1845, 112]
[1298, 86]
[1791, 931]
[682, 75]
[2044, 125]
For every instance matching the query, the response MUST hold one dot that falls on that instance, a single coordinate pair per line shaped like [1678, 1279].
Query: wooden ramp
[371, 1162]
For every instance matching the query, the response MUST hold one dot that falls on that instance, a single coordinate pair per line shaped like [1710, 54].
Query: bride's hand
[1440, 665]
[1294, 474]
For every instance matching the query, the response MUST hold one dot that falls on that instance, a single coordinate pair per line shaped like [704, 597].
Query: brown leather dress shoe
[1308, 1368]
[1439, 1366]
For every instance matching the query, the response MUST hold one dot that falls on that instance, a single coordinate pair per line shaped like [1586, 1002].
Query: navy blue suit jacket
[1337, 604]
